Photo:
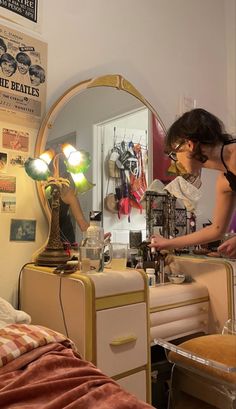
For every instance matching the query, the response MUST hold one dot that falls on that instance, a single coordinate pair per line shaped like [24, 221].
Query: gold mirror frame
[111, 80]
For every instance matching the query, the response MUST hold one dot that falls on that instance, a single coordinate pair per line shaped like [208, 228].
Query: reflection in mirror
[103, 120]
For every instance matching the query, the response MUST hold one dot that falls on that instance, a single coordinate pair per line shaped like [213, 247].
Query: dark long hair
[197, 125]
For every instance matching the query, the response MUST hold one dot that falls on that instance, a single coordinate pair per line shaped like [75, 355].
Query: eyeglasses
[172, 155]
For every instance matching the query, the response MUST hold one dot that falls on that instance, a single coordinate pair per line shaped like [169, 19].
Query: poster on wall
[23, 75]
[27, 13]
[16, 140]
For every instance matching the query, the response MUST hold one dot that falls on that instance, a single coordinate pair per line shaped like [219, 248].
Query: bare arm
[68, 196]
[225, 202]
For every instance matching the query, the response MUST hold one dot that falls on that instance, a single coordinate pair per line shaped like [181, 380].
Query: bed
[41, 368]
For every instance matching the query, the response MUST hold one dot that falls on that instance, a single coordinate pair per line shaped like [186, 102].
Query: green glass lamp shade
[78, 162]
[48, 192]
[37, 169]
[81, 183]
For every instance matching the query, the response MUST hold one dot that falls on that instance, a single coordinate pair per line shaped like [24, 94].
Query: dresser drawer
[173, 314]
[122, 338]
[180, 328]
[135, 384]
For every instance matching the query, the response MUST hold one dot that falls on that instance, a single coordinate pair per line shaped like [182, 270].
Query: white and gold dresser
[178, 310]
[200, 306]
[105, 314]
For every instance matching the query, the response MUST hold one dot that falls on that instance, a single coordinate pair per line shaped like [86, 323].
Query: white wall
[166, 48]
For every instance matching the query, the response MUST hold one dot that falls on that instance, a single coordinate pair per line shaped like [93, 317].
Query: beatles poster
[24, 12]
[23, 76]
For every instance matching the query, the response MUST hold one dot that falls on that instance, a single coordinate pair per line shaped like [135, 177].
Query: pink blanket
[53, 376]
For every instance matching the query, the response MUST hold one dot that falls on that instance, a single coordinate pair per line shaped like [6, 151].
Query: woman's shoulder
[222, 183]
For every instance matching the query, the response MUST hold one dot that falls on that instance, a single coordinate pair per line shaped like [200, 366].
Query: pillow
[9, 315]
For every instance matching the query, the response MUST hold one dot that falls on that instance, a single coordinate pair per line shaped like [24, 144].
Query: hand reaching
[228, 248]
[159, 243]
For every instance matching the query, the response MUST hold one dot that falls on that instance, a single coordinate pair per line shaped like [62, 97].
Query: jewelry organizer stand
[161, 212]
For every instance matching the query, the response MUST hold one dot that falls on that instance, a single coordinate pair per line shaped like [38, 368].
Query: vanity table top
[126, 281]
[106, 283]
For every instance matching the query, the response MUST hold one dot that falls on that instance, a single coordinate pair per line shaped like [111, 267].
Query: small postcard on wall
[7, 184]
[8, 204]
[22, 230]
[16, 159]
[16, 140]
[3, 162]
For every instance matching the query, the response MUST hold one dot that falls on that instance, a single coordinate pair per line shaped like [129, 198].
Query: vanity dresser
[105, 314]
[113, 317]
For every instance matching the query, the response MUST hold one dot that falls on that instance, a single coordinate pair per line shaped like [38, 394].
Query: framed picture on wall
[22, 230]
[26, 13]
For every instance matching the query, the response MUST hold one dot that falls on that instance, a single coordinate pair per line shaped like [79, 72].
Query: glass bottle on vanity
[92, 246]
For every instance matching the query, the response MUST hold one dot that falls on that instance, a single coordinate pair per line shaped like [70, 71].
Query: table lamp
[39, 169]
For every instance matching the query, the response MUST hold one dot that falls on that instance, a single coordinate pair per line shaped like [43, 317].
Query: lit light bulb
[75, 158]
[78, 162]
[47, 155]
[67, 149]
[37, 169]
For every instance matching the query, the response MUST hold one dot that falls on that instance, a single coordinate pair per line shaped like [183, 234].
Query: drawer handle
[123, 340]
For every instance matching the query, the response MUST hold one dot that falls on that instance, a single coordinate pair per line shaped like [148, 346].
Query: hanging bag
[113, 170]
[110, 200]
[138, 180]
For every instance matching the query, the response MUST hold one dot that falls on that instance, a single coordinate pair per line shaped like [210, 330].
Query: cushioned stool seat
[206, 381]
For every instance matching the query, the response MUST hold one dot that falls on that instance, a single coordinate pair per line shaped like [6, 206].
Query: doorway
[133, 126]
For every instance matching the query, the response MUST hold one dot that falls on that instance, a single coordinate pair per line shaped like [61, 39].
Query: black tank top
[231, 177]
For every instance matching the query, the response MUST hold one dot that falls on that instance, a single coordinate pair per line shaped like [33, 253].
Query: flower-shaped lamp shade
[77, 161]
[47, 156]
[81, 183]
[37, 169]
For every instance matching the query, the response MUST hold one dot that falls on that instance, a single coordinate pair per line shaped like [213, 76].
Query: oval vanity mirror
[94, 116]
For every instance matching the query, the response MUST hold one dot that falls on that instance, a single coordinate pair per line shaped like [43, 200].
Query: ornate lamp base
[54, 253]
[52, 257]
